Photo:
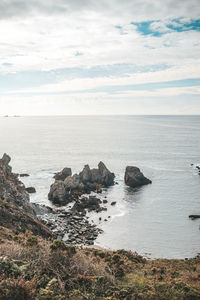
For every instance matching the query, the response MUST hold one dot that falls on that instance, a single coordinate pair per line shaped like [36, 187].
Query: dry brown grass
[51, 270]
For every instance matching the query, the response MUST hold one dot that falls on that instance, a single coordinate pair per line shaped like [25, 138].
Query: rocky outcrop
[12, 190]
[85, 175]
[14, 218]
[16, 212]
[107, 178]
[63, 174]
[63, 192]
[134, 177]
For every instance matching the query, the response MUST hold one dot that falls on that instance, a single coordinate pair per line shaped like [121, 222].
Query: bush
[17, 289]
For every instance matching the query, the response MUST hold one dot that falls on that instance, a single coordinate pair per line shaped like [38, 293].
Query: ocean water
[152, 220]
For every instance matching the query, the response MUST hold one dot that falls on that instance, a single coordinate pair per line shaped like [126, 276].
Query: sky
[82, 57]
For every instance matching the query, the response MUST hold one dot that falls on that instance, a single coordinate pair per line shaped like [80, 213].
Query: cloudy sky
[99, 57]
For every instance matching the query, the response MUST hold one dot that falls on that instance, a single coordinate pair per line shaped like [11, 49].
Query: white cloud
[51, 41]
[47, 35]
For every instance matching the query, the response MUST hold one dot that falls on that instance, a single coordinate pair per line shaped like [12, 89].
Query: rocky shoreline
[69, 224]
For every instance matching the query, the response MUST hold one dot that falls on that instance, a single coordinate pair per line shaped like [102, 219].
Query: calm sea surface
[152, 220]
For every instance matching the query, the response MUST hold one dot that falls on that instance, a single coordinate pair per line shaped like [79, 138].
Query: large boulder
[58, 194]
[134, 177]
[63, 174]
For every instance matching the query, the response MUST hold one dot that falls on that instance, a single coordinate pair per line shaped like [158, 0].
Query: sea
[151, 220]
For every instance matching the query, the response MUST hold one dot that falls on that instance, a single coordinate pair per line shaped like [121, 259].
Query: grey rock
[24, 175]
[31, 190]
[134, 177]
[85, 175]
[64, 191]
[193, 217]
[106, 176]
[6, 159]
[58, 194]
[41, 209]
[96, 176]
[12, 190]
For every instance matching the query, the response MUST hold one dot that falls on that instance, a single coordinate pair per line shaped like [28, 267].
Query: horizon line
[95, 115]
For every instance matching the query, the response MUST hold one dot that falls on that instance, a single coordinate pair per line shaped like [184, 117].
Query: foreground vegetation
[33, 268]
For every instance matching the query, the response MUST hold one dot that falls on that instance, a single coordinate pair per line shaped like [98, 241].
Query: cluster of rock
[198, 168]
[68, 187]
[134, 177]
[71, 227]
[91, 203]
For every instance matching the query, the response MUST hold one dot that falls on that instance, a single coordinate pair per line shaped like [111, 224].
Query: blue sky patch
[125, 88]
[33, 79]
[178, 25]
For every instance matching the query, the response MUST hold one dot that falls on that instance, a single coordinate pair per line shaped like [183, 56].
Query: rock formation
[16, 212]
[63, 192]
[12, 190]
[134, 178]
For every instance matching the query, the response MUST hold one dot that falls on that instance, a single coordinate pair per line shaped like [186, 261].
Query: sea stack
[63, 191]
[134, 177]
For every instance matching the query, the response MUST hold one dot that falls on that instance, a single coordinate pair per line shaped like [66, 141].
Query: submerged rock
[134, 177]
[31, 190]
[193, 217]
[24, 175]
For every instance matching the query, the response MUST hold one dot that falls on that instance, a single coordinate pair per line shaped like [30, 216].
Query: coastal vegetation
[34, 268]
